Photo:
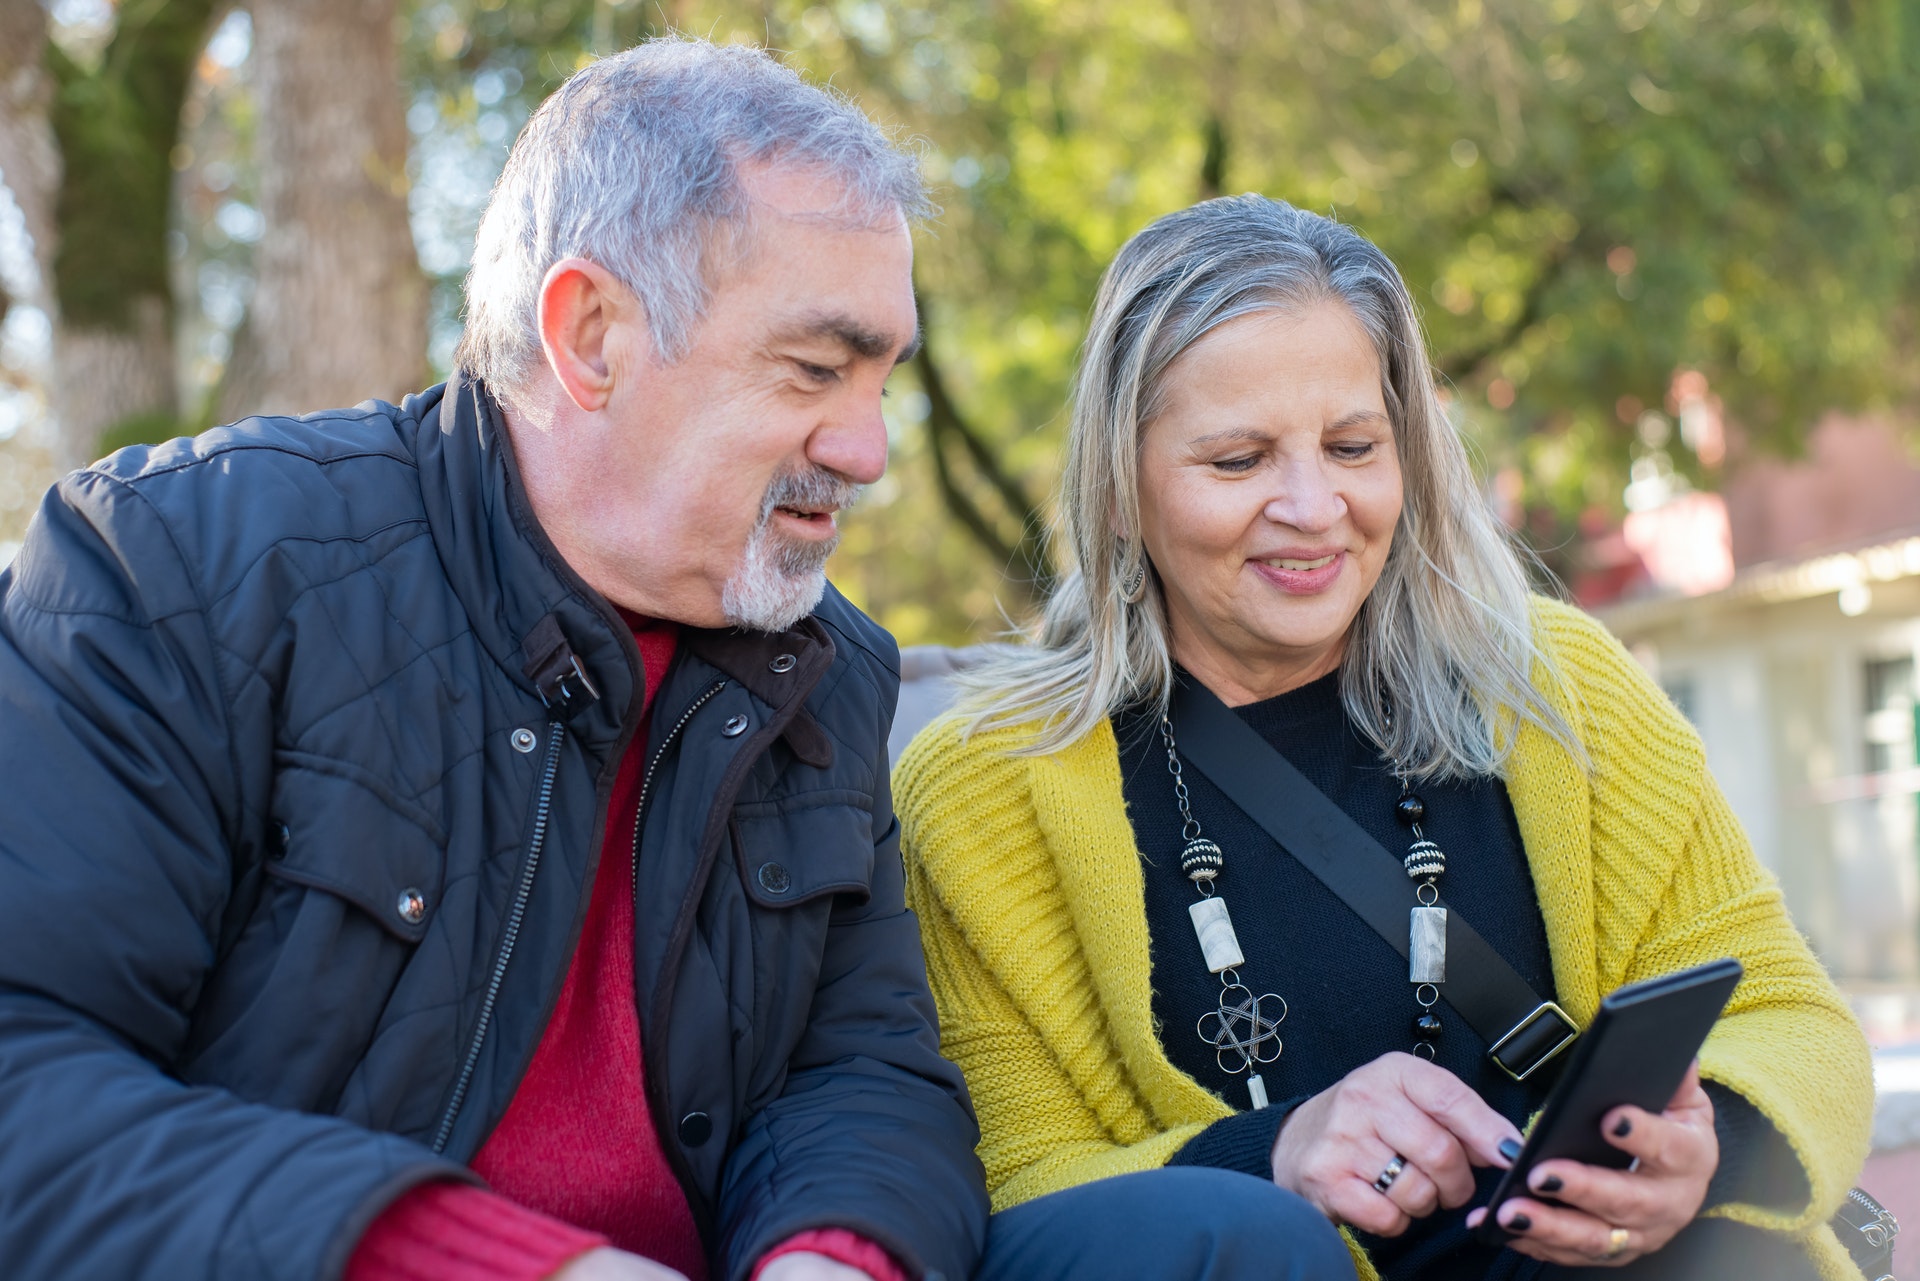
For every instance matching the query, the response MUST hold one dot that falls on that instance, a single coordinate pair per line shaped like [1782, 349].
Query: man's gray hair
[634, 163]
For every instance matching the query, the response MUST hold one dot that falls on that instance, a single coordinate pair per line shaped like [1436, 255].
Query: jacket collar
[511, 580]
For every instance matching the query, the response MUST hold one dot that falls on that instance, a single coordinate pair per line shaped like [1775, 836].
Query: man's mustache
[809, 489]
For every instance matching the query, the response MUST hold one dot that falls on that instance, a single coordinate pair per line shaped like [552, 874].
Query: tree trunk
[340, 305]
[29, 158]
[117, 127]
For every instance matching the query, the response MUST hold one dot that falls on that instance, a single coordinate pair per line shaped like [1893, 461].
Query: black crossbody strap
[1523, 1030]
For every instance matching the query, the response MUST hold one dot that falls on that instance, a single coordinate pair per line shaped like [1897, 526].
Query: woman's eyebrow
[1249, 435]
[1360, 417]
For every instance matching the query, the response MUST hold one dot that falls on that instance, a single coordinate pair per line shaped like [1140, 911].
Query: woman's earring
[1133, 583]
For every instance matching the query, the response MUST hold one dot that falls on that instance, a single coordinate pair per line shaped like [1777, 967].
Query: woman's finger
[1666, 1144]
[1615, 1196]
[1414, 1192]
[1559, 1234]
[1455, 1106]
[1410, 1132]
[1357, 1204]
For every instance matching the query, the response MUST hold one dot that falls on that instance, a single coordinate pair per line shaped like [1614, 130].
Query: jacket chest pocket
[800, 859]
[347, 887]
[329, 834]
[806, 848]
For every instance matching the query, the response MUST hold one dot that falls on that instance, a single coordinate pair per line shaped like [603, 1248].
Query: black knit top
[1346, 988]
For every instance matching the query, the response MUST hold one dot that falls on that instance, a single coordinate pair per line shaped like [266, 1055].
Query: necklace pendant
[1257, 1091]
[1427, 945]
[1214, 928]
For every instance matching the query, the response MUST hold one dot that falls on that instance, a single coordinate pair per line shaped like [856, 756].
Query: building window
[1890, 715]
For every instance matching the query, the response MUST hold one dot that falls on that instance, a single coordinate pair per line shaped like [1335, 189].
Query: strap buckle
[1534, 1041]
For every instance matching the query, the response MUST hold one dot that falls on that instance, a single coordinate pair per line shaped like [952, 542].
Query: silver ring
[1388, 1175]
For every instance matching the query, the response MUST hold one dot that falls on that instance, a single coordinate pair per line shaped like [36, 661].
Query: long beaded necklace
[1427, 929]
[1242, 1029]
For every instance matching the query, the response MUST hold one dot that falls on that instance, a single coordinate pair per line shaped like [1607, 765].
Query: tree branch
[1462, 366]
[945, 423]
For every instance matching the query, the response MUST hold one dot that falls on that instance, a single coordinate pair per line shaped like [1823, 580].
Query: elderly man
[453, 840]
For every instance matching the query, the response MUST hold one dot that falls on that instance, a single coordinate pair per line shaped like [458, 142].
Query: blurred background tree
[1588, 196]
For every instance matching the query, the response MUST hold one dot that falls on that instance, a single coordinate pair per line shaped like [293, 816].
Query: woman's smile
[1298, 575]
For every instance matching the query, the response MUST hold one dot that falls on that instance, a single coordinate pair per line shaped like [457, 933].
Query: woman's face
[1269, 491]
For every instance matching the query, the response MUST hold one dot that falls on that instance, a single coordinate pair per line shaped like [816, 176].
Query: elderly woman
[1271, 511]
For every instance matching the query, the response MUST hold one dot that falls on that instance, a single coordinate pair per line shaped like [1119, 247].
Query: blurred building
[1782, 615]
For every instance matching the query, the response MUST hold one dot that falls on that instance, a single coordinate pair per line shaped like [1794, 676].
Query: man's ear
[581, 305]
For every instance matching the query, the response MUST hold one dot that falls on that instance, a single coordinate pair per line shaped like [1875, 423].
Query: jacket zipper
[653, 766]
[550, 768]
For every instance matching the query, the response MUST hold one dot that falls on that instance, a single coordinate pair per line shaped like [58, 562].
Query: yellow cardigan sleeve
[1038, 1132]
[1787, 1041]
[1676, 883]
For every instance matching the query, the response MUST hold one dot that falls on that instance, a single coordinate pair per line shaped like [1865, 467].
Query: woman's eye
[1353, 451]
[1237, 465]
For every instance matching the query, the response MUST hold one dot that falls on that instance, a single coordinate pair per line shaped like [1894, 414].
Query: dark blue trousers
[1181, 1223]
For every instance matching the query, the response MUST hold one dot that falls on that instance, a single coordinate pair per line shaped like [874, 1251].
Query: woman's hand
[1677, 1154]
[1338, 1143]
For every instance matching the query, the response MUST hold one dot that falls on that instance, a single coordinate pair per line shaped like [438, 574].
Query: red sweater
[576, 1162]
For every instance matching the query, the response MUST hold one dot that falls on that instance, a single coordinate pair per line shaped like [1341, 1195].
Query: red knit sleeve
[837, 1244]
[456, 1232]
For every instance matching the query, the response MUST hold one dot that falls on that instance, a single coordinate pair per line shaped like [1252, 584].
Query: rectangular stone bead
[1218, 943]
[1427, 946]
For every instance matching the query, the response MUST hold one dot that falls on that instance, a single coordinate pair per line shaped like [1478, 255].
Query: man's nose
[853, 443]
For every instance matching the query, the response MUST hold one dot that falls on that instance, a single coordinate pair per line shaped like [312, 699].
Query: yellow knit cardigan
[1028, 886]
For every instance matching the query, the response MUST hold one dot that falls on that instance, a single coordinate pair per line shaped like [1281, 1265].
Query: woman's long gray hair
[1437, 665]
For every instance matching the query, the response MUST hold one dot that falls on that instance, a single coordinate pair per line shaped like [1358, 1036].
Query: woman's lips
[1301, 575]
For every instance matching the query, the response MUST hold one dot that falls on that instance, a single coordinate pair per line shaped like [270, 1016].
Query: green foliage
[144, 429]
[117, 126]
[1586, 195]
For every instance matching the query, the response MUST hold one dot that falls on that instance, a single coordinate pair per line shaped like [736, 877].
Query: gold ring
[1616, 1243]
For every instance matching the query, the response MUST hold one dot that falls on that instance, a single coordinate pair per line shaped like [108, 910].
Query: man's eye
[818, 373]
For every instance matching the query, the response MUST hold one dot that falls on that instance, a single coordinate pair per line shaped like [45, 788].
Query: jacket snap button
[695, 1128]
[524, 741]
[774, 879]
[412, 906]
[735, 726]
[783, 664]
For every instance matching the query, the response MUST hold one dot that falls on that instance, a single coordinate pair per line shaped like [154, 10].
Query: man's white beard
[780, 580]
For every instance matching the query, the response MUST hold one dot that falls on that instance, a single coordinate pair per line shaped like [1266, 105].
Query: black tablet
[1636, 1052]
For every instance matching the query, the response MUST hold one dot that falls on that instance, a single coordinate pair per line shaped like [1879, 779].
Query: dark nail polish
[1510, 1149]
[1519, 1223]
[1551, 1183]
[1623, 1129]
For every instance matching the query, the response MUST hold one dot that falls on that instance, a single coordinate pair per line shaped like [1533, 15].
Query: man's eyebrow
[863, 341]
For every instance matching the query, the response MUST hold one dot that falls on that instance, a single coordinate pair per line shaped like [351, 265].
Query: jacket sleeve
[115, 870]
[873, 1131]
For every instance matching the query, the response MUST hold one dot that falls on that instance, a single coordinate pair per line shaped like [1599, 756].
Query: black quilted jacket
[306, 738]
